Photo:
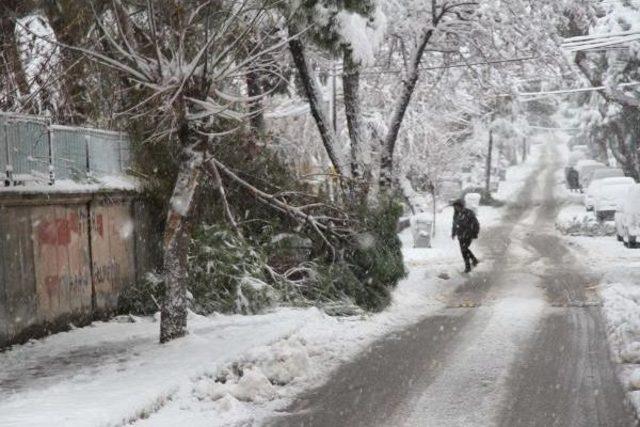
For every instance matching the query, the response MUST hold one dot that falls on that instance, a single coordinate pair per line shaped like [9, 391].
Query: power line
[598, 45]
[576, 90]
[444, 67]
[570, 40]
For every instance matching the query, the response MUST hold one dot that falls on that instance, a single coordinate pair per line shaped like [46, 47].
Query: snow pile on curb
[255, 378]
[572, 220]
[621, 307]
[621, 304]
[585, 226]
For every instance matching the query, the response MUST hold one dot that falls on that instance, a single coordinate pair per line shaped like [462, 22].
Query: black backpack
[474, 226]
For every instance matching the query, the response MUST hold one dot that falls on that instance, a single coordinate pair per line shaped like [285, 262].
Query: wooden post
[334, 110]
[487, 188]
[435, 210]
[524, 149]
[51, 165]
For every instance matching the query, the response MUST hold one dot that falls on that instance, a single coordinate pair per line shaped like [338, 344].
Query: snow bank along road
[521, 344]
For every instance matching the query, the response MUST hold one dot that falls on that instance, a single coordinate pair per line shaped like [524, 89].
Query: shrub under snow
[585, 226]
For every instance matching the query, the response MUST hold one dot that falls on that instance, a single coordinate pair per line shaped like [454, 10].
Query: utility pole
[524, 149]
[334, 110]
[487, 188]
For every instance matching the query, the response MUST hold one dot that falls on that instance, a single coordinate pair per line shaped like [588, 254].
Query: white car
[627, 217]
[598, 175]
[580, 149]
[585, 169]
[574, 158]
[607, 173]
[610, 192]
[587, 174]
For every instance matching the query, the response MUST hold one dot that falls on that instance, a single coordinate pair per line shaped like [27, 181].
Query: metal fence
[31, 148]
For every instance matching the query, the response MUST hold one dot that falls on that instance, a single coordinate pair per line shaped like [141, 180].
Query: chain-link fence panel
[24, 142]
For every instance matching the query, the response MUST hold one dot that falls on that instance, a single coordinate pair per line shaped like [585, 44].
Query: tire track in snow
[384, 385]
[566, 376]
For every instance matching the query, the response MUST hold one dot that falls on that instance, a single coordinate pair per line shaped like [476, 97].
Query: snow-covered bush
[585, 226]
[375, 256]
[143, 297]
[226, 273]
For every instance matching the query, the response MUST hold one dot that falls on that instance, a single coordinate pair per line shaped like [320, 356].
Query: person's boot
[467, 268]
[475, 262]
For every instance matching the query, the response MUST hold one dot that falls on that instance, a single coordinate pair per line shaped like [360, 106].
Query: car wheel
[620, 238]
[632, 242]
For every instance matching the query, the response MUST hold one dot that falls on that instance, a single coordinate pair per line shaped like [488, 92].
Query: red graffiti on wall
[74, 282]
[98, 224]
[58, 231]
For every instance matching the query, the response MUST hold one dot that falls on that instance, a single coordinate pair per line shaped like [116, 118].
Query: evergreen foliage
[375, 258]
[226, 274]
[231, 274]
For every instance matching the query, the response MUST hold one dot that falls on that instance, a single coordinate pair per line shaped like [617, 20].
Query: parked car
[585, 170]
[580, 149]
[607, 173]
[627, 217]
[575, 157]
[598, 176]
[610, 192]
[587, 175]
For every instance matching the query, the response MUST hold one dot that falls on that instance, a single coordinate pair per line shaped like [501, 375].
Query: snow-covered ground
[115, 373]
[617, 272]
[62, 186]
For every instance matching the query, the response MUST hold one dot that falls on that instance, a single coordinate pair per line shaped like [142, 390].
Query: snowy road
[520, 344]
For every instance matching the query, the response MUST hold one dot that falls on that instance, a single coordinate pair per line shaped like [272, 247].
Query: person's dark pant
[467, 255]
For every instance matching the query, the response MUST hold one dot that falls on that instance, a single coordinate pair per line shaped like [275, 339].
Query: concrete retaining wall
[65, 258]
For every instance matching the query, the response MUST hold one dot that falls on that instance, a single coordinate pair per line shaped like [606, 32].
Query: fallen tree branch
[212, 169]
[324, 226]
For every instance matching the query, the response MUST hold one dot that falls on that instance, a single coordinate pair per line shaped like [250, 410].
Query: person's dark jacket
[465, 225]
[573, 177]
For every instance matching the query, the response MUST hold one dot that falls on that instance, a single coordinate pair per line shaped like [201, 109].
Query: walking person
[466, 227]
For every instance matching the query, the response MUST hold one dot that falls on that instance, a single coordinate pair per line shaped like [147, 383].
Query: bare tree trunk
[351, 87]
[596, 81]
[622, 152]
[329, 139]
[629, 104]
[173, 320]
[632, 147]
[487, 183]
[14, 81]
[255, 106]
[69, 19]
[408, 87]
[434, 210]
